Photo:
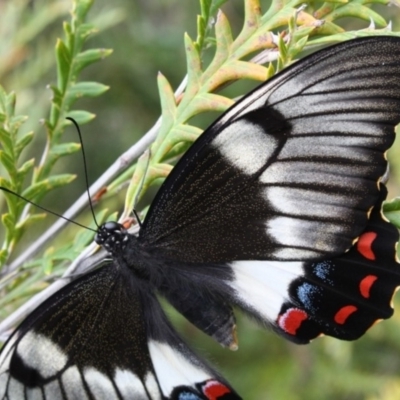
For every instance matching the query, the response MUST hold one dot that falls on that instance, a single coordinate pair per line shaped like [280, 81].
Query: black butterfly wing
[282, 184]
[104, 336]
[291, 171]
[341, 297]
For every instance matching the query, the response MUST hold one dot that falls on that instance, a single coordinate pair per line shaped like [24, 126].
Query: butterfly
[276, 209]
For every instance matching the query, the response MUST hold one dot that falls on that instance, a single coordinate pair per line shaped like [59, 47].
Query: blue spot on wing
[188, 396]
[323, 269]
[308, 295]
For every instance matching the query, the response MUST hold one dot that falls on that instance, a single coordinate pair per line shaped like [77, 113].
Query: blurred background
[147, 37]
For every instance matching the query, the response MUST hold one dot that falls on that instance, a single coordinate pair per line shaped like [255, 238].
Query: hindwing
[103, 336]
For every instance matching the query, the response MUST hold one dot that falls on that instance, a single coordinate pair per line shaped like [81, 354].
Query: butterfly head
[112, 236]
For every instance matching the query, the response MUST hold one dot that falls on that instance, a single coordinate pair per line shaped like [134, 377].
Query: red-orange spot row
[366, 284]
[291, 320]
[213, 390]
[364, 245]
[344, 313]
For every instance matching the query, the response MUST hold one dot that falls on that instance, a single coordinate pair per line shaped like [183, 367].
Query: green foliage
[71, 59]
[276, 35]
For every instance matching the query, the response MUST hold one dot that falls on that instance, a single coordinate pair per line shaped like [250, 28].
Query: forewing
[103, 337]
[292, 170]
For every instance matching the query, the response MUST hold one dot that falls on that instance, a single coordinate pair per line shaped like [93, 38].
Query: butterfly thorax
[125, 250]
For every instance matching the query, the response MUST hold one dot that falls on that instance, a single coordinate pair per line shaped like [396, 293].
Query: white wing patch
[72, 382]
[41, 354]
[262, 286]
[99, 384]
[301, 202]
[245, 146]
[131, 387]
[15, 389]
[306, 172]
[173, 369]
[152, 386]
[52, 391]
[129, 384]
[301, 234]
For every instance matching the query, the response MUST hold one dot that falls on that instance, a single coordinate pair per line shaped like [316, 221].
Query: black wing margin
[292, 170]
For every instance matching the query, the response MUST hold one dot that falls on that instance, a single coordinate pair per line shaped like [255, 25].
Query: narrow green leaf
[328, 29]
[201, 32]
[22, 171]
[217, 4]
[64, 61]
[14, 204]
[47, 265]
[206, 102]
[81, 117]
[168, 105]
[64, 149]
[57, 95]
[9, 222]
[235, 70]
[83, 32]
[17, 120]
[205, 6]
[80, 9]
[184, 133]
[7, 142]
[46, 185]
[223, 35]
[8, 163]
[91, 89]
[3, 257]
[10, 104]
[251, 24]
[357, 11]
[6, 183]
[30, 221]
[23, 142]
[193, 67]
[88, 57]
[137, 182]
[3, 97]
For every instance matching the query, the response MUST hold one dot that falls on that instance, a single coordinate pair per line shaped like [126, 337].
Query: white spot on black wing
[245, 145]
[41, 354]
[129, 385]
[71, 380]
[99, 384]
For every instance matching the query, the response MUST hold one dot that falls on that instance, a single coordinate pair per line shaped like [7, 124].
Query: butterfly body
[276, 209]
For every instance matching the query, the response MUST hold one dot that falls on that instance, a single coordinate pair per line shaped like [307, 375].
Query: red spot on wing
[213, 390]
[291, 320]
[364, 245]
[366, 284]
[344, 313]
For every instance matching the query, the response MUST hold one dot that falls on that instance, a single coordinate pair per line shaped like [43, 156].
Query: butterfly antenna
[85, 169]
[4, 189]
